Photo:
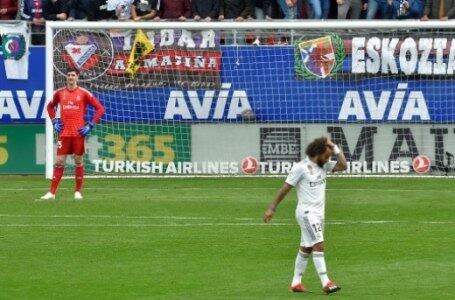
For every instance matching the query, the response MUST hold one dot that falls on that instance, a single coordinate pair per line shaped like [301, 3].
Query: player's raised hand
[57, 124]
[268, 215]
[330, 143]
[84, 131]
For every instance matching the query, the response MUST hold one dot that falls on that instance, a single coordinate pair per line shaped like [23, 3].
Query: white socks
[300, 265]
[319, 263]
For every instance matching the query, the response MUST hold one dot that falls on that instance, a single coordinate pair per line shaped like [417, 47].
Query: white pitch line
[341, 222]
[147, 225]
[332, 222]
[337, 222]
[194, 224]
[144, 188]
[209, 224]
[125, 217]
[230, 188]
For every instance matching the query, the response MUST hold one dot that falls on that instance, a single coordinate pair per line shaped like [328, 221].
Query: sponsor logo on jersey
[70, 107]
[421, 164]
[317, 183]
[319, 58]
[13, 46]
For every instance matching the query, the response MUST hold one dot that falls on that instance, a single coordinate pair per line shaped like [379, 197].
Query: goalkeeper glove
[84, 131]
[58, 125]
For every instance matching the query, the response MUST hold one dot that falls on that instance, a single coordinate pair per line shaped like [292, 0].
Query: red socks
[79, 173]
[58, 173]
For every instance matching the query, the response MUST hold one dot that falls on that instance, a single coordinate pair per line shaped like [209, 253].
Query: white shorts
[311, 227]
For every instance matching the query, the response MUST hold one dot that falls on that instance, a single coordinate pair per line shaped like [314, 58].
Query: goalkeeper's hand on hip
[84, 131]
[57, 124]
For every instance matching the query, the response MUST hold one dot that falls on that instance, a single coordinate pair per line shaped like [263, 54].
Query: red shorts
[71, 145]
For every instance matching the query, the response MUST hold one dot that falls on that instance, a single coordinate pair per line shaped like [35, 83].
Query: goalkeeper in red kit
[71, 128]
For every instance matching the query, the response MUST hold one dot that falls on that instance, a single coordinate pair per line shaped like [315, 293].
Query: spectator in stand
[289, 8]
[405, 9]
[8, 9]
[263, 9]
[144, 10]
[79, 9]
[99, 11]
[302, 9]
[122, 9]
[374, 6]
[353, 7]
[290, 11]
[32, 10]
[319, 9]
[206, 10]
[238, 10]
[175, 9]
[439, 9]
[55, 10]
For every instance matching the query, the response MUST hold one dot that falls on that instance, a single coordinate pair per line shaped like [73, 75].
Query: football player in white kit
[309, 178]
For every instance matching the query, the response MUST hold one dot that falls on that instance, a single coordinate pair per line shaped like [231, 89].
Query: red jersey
[73, 105]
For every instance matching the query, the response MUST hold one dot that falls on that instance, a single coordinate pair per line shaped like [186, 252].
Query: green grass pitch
[204, 239]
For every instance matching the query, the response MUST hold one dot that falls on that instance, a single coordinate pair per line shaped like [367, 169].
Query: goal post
[245, 98]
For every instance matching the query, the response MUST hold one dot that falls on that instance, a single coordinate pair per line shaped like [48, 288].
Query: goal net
[246, 98]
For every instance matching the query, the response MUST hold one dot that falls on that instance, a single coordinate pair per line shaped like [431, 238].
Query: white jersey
[310, 180]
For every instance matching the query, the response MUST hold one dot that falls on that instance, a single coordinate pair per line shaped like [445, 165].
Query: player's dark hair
[72, 69]
[316, 147]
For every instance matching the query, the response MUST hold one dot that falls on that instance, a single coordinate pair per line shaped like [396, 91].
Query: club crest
[81, 51]
[319, 58]
[310, 169]
[13, 46]
[91, 53]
